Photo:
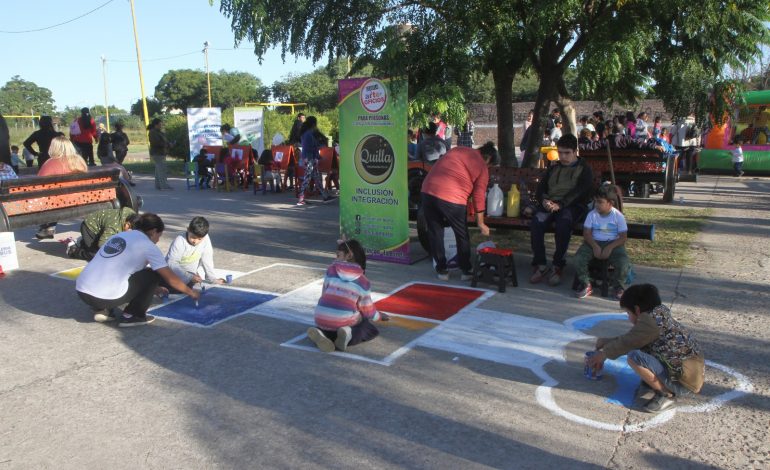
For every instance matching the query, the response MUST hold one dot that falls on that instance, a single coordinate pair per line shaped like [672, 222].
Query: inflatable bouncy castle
[750, 121]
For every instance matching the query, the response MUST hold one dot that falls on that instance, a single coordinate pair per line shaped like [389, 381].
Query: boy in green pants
[604, 233]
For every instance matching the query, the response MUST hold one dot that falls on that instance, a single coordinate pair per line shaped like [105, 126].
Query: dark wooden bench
[35, 200]
[642, 166]
[530, 178]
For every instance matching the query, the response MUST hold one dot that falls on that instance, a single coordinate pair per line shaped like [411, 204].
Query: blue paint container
[591, 374]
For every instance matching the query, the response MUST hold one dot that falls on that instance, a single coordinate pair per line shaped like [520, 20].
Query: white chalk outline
[544, 396]
[390, 358]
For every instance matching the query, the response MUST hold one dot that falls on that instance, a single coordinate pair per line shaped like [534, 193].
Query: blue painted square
[214, 306]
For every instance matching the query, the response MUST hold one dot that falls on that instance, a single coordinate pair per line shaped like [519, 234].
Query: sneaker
[320, 340]
[301, 201]
[538, 273]
[45, 233]
[659, 403]
[555, 278]
[619, 293]
[443, 275]
[466, 276]
[325, 196]
[71, 248]
[135, 320]
[344, 335]
[645, 392]
[104, 315]
[584, 290]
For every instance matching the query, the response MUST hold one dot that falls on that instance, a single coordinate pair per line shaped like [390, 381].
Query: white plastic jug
[495, 201]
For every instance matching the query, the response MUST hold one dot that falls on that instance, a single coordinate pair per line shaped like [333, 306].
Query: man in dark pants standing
[460, 173]
[562, 195]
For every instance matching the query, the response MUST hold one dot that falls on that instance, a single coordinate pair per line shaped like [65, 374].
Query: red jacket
[457, 175]
[87, 136]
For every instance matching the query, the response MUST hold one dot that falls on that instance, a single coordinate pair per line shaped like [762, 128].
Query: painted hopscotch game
[445, 318]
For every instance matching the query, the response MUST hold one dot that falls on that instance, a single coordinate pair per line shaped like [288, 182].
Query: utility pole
[106, 102]
[139, 63]
[208, 75]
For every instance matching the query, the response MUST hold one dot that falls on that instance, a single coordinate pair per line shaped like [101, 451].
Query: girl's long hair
[309, 123]
[149, 221]
[85, 118]
[61, 148]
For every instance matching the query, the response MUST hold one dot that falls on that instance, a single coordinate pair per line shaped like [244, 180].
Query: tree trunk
[504, 103]
[568, 116]
[546, 91]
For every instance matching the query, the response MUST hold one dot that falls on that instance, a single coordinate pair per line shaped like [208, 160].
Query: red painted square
[428, 301]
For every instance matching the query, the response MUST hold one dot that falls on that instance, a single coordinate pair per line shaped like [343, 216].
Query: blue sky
[66, 59]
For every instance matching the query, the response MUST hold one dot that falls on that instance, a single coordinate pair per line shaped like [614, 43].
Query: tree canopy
[20, 97]
[185, 88]
[616, 49]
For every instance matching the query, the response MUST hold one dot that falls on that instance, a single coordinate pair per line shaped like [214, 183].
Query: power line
[156, 59]
[58, 24]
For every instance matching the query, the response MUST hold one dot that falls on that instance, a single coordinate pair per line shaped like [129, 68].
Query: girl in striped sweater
[345, 312]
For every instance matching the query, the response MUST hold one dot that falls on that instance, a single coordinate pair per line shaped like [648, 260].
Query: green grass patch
[147, 167]
[675, 231]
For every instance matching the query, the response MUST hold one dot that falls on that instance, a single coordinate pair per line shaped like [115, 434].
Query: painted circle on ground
[374, 159]
[373, 95]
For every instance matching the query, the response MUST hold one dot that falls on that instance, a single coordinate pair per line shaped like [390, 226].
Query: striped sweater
[345, 298]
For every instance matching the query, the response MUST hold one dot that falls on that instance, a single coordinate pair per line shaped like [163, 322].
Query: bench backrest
[39, 199]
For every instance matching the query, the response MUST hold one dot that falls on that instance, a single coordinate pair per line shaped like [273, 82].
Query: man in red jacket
[460, 173]
[83, 135]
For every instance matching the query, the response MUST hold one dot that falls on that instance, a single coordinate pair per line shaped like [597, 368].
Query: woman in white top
[118, 274]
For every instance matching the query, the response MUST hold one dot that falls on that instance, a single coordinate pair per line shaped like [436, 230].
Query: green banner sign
[373, 160]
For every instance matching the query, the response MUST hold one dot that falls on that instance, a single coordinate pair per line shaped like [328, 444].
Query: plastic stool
[598, 270]
[494, 266]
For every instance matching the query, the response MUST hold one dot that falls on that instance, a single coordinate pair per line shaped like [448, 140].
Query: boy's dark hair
[202, 152]
[738, 139]
[265, 157]
[149, 221]
[568, 141]
[431, 129]
[644, 296]
[15, 147]
[199, 227]
[489, 150]
[223, 152]
[354, 248]
[610, 193]
[154, 123]
[131, 220]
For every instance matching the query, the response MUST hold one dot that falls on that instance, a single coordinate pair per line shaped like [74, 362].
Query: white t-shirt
[106, 276]
[737, 154]
[185, 259]
[606, 228]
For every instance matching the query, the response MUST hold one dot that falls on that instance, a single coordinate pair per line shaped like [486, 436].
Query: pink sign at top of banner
[374, 95]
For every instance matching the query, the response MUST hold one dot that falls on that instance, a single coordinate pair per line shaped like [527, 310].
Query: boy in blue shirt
[15, 160]
[604, 233]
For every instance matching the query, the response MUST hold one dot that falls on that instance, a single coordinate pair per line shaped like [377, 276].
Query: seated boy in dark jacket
[562, 200]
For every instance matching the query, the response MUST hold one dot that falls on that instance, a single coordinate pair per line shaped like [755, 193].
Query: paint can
[229, 278]
[591, 374]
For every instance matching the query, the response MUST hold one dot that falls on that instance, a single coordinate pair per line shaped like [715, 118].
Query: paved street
[499, 385]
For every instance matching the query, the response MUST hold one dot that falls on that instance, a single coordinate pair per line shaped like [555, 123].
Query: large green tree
[154, 107]
[185, 88]
[622, 47]
[19, 96]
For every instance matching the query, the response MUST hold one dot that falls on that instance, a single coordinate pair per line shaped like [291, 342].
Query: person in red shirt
[460, 173]
[64, 160]
[83, 135]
